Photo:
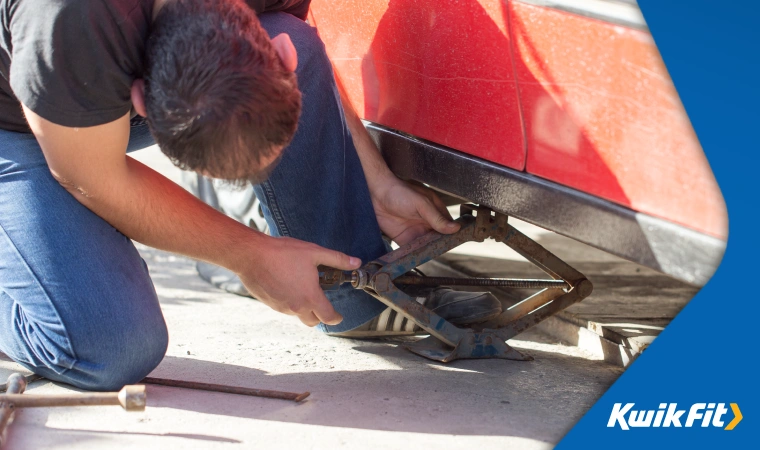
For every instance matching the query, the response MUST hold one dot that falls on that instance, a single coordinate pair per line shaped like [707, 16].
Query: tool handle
[40, 401]
[131, 398]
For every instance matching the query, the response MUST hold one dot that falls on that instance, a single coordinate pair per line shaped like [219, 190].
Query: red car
[557, 112]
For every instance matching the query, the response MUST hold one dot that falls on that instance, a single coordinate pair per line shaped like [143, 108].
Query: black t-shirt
[73, 61]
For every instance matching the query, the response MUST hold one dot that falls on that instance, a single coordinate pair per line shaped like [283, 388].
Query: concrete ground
[368, 394]
[364, 394]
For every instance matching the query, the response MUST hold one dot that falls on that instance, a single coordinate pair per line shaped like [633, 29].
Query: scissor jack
[447, 342]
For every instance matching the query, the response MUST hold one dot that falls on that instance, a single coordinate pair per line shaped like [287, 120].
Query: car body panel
[602, 116]
[441, 71]
[584, 102]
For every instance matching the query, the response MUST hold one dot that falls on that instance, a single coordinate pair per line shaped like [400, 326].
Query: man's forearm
[404, 212]
[151, 209]
[91, 164]
[375, 169]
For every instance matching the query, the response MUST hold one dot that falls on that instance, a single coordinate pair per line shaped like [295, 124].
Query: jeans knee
[125, 355]
[129, 358]
[99, 366]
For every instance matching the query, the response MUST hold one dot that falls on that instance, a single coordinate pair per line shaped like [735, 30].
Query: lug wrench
[16, 385]
[281, 395]
[28, 378]
[131, 398]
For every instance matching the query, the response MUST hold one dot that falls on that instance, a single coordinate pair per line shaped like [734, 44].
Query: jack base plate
[471, 346]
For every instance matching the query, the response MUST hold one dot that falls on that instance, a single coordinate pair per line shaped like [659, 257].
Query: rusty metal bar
[543, 304]
[380, 278]
[131, 398]
[424, 249]
[426, 319]
[523, 308]
[400, 261]
[29, 379]
[227, 389]
[16, 385]
[486, 282]
[538, 255]
[579, 292]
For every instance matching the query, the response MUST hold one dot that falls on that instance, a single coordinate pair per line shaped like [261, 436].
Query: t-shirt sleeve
[71, 61]
[298, 8]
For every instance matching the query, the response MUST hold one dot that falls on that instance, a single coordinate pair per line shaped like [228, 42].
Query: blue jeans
[77, 304]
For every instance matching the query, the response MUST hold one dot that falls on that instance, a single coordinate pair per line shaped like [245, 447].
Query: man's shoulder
[121, 9]
[73, 61]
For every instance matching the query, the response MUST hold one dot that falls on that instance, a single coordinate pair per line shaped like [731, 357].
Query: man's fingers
[435, 218]
[325, 312]
[337, 260]
[433, 197]
[411, 234]
[309, 319]
[440, 206]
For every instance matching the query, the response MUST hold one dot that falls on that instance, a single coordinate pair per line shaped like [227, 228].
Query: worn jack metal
[448, 342]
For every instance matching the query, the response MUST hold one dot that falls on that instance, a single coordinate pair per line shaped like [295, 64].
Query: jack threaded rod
[491, 282]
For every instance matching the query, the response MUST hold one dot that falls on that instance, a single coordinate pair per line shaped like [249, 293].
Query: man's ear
[138, 96]
[284, 47]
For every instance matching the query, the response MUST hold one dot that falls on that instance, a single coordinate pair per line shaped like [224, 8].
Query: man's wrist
[244, 250]
[379, 183]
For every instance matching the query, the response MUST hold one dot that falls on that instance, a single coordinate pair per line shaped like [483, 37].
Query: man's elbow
[72, 187]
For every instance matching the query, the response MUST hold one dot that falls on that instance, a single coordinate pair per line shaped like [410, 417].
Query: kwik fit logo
[669, 415]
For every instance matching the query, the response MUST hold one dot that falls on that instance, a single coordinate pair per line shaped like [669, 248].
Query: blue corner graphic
[706, 357]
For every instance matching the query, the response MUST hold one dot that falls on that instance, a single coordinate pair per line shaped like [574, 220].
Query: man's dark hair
[217, 95]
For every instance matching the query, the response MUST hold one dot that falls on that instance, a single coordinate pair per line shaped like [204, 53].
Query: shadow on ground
[538, 400]
[357, 386]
